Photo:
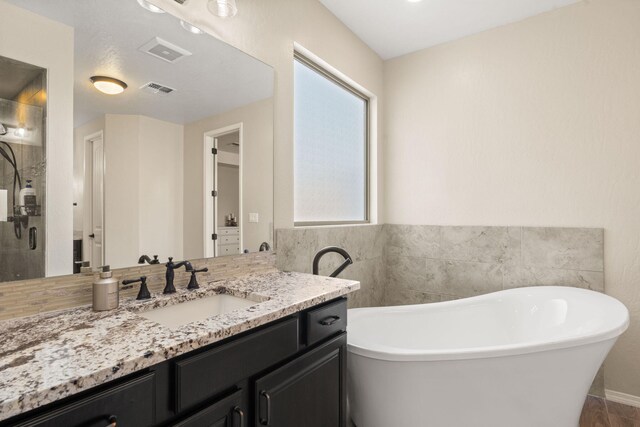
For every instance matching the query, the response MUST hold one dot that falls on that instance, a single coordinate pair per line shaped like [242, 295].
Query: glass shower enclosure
[23, 112]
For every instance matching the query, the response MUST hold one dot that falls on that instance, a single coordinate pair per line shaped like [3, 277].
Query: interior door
[308, 391]
[97, 202]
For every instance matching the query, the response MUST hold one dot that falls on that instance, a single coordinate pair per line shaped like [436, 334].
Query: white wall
[258, 171]
[267, 30]
[50, 47]
[535, 123]
[160, 174]
[143, 189]
[121, 190]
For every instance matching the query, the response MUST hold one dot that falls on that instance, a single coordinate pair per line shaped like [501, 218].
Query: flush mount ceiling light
[223, 8]
[191, 28]
[108, 85]
[150, 7]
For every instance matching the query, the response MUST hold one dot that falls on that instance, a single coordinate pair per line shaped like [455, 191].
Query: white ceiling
[397, 27]
[108, 33]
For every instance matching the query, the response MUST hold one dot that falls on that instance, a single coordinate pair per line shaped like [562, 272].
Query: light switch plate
[253, 217]
[3, 205]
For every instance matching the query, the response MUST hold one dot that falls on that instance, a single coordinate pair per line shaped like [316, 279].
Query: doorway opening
[94, 189]
[223, 191]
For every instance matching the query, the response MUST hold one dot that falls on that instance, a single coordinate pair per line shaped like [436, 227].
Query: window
[330, 148]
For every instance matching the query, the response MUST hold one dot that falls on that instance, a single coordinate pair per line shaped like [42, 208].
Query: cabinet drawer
[132, 403]
[228, 240]
[229, 249]
[326, 321]
[229, 231]
[209, 373]
[227, 412]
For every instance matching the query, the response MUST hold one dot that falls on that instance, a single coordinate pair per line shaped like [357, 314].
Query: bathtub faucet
[347, 259]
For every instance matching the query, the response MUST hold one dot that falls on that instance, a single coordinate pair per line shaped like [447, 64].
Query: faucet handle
[143, 293]
[193, 282]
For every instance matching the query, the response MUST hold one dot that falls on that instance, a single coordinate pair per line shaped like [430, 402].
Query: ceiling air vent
[157, 89]
[180, 1]
[164, 50]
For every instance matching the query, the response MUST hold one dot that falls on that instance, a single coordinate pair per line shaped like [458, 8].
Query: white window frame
[314, 66]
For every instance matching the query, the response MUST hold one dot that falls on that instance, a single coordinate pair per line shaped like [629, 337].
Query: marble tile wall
[296, 248]
[28, 297]
[433, 263]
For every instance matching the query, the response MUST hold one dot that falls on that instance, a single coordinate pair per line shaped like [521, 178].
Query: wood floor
[599, 412]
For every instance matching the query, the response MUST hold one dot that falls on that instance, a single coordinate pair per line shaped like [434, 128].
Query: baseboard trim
[624, 398]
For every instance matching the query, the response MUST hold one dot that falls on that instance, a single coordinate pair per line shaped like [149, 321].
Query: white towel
[3, 205]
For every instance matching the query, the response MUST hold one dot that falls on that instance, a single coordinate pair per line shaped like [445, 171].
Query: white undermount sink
[176, 315]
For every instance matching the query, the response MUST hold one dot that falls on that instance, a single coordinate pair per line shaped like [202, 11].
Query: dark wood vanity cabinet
[289, 373]
[308, 391]
[226, 412]
[128, 403]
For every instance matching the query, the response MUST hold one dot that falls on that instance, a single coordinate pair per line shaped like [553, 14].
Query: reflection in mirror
[22, 174]
[173, 141]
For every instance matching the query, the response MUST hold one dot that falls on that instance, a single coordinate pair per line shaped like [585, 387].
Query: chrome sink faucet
[169, 288]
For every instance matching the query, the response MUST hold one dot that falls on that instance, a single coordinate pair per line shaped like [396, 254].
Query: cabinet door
[309, 391]
[227, 412]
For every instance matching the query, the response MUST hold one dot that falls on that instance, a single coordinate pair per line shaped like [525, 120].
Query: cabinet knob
[267, 418]
[112, 420]
[240, 414]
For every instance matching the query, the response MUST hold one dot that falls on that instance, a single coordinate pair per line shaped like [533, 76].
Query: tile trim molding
[624, 398]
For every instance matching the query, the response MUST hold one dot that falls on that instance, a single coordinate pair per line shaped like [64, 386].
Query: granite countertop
[53, 355]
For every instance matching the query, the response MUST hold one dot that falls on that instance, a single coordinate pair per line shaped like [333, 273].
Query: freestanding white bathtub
[516, 358]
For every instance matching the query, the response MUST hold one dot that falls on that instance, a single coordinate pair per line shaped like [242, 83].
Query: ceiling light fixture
[150, 7]
[223, 8]
[108, 85]
[191, 28]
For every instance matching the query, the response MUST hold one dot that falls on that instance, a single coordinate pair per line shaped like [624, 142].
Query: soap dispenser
[106, 291]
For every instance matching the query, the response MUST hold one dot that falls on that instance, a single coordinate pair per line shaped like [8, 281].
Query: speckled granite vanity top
[47, 357]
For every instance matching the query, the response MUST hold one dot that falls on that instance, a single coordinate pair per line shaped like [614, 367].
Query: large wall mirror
[172, 143]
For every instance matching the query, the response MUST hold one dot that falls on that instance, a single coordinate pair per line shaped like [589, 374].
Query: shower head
[3, 130]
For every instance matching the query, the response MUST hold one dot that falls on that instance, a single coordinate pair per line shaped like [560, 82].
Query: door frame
[87, 228]
[210, 176]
